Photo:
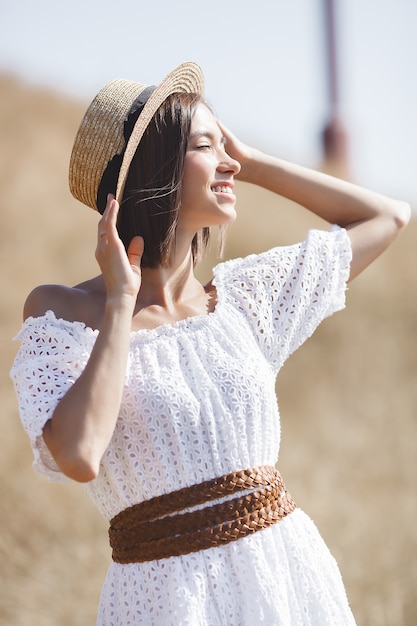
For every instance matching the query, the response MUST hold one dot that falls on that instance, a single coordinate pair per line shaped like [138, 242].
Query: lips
[222, 189]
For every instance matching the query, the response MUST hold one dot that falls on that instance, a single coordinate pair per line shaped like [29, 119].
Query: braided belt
[154, 529]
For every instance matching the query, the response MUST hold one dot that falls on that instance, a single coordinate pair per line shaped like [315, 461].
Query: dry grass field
[348, 398]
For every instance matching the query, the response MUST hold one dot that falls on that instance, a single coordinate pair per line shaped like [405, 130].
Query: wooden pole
[334, 135]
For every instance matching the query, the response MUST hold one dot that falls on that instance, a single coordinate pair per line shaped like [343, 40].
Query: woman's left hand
[237, 149]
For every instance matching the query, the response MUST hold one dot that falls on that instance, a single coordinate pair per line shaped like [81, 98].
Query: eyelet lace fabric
[199, 401]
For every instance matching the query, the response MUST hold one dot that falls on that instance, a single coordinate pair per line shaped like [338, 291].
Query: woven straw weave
[100, 136]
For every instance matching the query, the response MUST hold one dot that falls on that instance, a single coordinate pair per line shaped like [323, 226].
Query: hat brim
[100, 136]
[186, 78]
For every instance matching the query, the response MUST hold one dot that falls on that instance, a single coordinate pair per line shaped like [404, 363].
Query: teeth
[221, 189]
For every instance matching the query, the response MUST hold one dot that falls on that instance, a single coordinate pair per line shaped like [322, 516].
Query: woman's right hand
[121, 272]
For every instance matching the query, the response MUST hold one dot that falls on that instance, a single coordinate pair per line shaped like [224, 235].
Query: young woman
[158, 392]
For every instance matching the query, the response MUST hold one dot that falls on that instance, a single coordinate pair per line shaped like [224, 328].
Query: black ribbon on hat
[108, 182]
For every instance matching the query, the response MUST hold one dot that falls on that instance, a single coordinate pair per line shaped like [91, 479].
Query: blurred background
[329, 84]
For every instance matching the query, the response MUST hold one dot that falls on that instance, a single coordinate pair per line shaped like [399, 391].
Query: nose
[228, 164]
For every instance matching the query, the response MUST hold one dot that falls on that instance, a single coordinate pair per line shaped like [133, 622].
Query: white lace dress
[199, 401]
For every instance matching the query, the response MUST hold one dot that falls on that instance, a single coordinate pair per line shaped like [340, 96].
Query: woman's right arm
[83, 422]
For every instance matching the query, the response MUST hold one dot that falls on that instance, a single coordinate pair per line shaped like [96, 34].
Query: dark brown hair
[152, 194]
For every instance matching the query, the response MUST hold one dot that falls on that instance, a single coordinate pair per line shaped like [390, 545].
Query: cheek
[195, 179]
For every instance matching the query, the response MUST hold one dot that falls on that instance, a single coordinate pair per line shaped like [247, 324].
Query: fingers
[234, 147]
[228, 137]
[241, 152]
[107, 233]
[107, 224]
[135, 251]
[120, 270]
[231, 139]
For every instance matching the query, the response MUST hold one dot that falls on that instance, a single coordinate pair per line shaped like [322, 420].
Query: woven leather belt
[154, 529]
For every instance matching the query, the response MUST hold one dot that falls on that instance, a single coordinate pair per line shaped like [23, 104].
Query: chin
[232, 219]
[228, 216]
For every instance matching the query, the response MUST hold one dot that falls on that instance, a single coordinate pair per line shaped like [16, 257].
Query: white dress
[199, 401]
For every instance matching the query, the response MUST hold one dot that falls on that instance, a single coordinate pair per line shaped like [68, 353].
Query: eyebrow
[206, 133]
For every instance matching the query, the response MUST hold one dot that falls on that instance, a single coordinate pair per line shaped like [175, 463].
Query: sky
[264, 62]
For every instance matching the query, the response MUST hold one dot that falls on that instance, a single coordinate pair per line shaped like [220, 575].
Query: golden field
[348, 398]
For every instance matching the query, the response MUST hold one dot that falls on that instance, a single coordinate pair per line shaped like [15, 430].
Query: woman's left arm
[372, 219]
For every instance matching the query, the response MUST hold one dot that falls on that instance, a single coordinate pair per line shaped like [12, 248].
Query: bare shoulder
[44, 298]
[83, 303]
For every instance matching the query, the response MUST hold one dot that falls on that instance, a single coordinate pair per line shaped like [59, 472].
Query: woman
[158, 392]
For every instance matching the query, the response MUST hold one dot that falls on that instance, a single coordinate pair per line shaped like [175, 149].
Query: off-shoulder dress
[199, 401]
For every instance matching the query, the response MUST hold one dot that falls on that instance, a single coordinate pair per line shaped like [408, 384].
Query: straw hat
[101, 134]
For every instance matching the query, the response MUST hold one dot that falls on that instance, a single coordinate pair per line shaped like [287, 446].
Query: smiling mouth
[222, 189]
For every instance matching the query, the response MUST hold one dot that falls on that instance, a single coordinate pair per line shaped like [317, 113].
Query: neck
[168, 286]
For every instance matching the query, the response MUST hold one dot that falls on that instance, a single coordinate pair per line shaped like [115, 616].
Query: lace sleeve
[286, 292]
[49, 360]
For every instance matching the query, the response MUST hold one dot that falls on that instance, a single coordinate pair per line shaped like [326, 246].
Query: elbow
[392, 218]
[77, 467]
[81, 465]
[80, 470]
[401, 214]
[371, 237]
[77, 463]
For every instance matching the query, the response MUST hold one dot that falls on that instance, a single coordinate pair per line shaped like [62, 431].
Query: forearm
[372, 219]
[84, 420]
[334, 200]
